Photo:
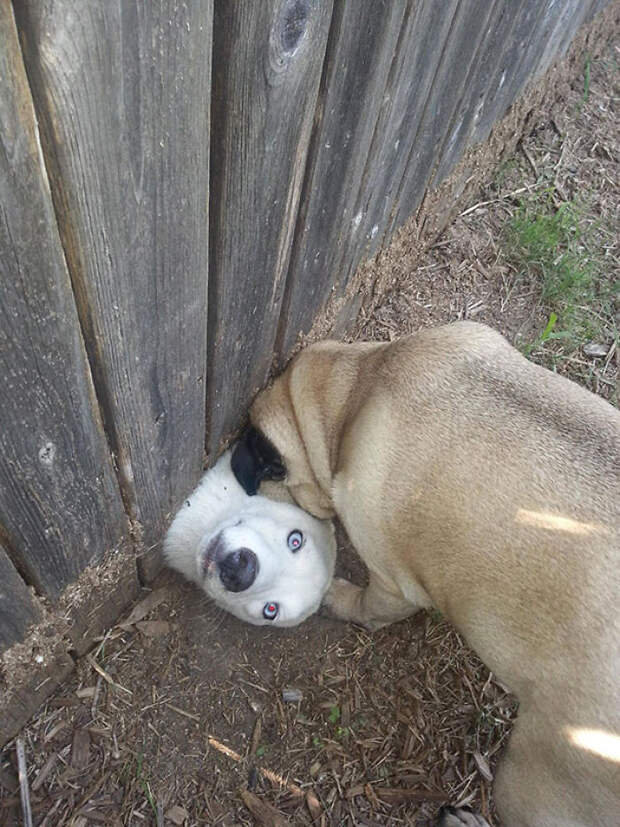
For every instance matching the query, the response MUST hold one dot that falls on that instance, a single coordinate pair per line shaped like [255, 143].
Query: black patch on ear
[255, 459]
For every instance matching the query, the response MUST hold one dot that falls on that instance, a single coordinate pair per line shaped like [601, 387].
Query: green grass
[557, 250]
[146, 789]
[334, 714]
[586, 80]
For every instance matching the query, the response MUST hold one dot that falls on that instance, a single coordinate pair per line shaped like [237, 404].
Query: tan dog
[471, 480]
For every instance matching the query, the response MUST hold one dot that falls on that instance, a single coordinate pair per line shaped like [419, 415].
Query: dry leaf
[177, 815]
[483, 766]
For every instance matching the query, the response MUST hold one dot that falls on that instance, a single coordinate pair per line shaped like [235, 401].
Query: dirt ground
[183, 715]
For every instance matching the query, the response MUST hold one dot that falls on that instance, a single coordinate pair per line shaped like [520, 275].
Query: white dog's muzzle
[236, 568]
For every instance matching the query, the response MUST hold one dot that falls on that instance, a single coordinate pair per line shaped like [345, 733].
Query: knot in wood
[293, 23]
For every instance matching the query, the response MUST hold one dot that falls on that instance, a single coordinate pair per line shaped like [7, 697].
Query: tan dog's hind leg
[539, 785]
[372, 607]
[460, 817]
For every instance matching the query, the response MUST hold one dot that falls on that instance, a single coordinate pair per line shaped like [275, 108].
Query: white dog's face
[270, 564]
[266, 562]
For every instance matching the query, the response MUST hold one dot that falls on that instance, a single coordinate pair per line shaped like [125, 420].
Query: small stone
[153, 628]
[177, 815]
[86, 692]
[313, 805]
[596, 350]
[290, 695]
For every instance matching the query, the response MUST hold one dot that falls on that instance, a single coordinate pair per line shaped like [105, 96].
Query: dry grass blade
[272, 776]
[106, 677]
[183, 712]
[396, 795]
[23, 781]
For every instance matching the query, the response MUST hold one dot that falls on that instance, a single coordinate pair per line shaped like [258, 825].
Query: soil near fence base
[181, 707]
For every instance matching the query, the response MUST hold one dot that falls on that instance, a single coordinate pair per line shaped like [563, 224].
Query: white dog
[264, 561]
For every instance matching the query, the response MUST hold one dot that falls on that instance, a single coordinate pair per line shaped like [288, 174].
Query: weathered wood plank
[595, 7]
[94, 603]
[426, 27]
[467, 32]
[123, 95]
[27, 691]
[557, 20]
[363, 41]
[496, 58]
[267, 68]
[59, 501]
[563, 22]
[18, 608]
[523, 44]
[416, 63]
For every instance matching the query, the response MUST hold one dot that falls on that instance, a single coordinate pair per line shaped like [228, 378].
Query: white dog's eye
[295, 540]
[270, 611]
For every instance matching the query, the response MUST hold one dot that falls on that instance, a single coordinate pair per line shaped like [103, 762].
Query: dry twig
[23, 782]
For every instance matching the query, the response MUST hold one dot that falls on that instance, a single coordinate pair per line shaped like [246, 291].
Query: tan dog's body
[474, 481]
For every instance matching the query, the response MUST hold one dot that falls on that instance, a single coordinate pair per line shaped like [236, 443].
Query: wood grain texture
[60, 507]
[560, 23]
[363, 42]
[94, 604]
[19, 703]
[487, 72]
[514, 69]
[596, 6]
[18, 607]
[123, 94]
[418, 54]
[267, 63]
[460, 53]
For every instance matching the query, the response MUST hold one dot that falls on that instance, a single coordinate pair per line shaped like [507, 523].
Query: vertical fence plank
[364, 40]
[123, 95]
[468, 30]
[489, 64]
[18, 608]
[267, 68]
[423, 48]
[515, 66]
[59, 501]
[532, 36]
[564, 19]
[402, 93]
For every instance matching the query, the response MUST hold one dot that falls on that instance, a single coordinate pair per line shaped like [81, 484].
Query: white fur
[296, 581]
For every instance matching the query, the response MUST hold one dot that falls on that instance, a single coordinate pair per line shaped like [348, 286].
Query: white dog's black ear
[255, 459]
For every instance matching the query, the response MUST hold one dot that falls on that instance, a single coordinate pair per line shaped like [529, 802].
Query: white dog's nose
[238, 569]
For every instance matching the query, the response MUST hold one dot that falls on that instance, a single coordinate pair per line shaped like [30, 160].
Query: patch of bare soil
[568, 161]
[184, 716]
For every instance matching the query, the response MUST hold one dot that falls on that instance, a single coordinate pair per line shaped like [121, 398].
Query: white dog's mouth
[237, 568]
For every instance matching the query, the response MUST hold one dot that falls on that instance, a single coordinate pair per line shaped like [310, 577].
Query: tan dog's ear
[273, 414]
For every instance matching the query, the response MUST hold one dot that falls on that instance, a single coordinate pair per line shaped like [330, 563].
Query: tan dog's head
[256, 457]
[299, 419]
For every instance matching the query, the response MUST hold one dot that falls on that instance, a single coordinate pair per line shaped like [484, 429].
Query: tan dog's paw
[460, 817]
[343, 599]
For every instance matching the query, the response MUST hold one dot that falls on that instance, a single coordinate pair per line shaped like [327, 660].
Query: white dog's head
[264, 561]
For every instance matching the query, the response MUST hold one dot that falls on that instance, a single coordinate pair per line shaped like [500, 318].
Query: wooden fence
[183, 185]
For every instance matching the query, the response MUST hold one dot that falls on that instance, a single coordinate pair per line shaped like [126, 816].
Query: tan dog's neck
[322, 381]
